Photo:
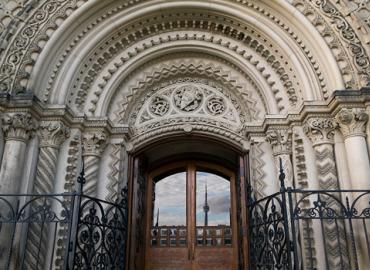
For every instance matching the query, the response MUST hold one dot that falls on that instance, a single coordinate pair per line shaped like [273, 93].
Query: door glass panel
[169, 211]
[213, 210]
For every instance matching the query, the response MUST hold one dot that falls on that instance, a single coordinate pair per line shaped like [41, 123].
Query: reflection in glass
[212, 200]
[170, 201]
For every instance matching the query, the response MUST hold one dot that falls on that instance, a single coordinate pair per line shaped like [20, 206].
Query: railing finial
[124, 197]
[281, 175]
[81, 178]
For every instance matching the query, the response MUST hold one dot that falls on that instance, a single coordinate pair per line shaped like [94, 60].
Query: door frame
[192, 166]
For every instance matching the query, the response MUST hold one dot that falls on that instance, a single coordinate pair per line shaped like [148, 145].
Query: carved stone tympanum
[203, 105]
[188, 98]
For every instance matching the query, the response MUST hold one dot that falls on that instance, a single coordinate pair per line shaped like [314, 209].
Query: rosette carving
[216, 105]
[159, 106]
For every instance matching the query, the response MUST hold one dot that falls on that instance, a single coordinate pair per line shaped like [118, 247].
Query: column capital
[52, 133]
[94, 143]
[18, 126]
[320, 130]
[280, 140]
[352, 122]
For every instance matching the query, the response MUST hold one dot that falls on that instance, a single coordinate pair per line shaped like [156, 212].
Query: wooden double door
[191, 218]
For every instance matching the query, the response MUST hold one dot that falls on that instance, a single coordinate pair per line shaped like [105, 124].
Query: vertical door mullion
[191, 209]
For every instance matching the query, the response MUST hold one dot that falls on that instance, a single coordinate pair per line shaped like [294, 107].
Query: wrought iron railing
[17, 212]
[310, 229]
[101, 234]
[73, 231]
[291, 229]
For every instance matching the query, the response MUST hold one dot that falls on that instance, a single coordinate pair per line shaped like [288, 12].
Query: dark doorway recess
[204, 225]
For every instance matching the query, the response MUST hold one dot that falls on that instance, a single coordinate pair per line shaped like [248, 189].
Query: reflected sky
[171, 200]
[218, 189]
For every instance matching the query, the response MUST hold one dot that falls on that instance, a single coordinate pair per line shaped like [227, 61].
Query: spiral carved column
[52, 134]
[94, 144]
[321, 133]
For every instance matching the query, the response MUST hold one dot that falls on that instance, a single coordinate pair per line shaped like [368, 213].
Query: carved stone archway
[188, 105]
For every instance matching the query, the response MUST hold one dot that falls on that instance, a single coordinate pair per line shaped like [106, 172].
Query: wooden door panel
[208, 246]
[169, 259]
[137, 212]
[213, 259]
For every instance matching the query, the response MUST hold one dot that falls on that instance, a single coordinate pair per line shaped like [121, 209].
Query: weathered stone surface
[244, 74]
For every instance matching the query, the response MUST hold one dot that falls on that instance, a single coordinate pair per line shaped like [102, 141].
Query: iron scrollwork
[101, 234]
[18, 212]
[340, 219]
[268, 237]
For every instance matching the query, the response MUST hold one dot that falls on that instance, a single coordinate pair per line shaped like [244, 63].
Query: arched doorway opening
[174, 222]
[194, 229]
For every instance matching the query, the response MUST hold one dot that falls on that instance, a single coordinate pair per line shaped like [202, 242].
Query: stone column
[18, 128]
[94, 144]
[281, 142]
[52, 134]
[352, 124]
[321, 133]
[341, 160]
